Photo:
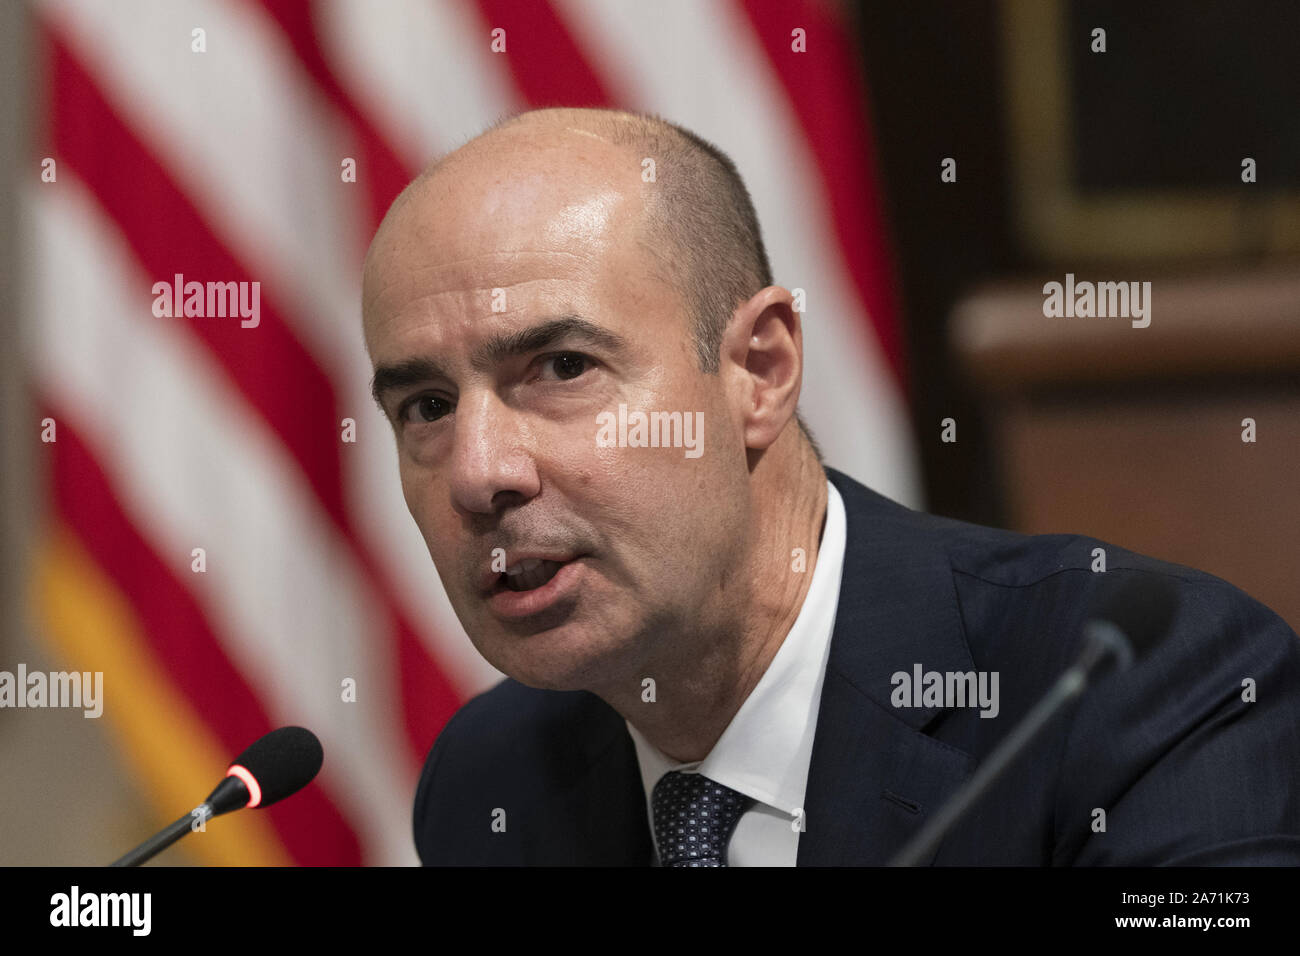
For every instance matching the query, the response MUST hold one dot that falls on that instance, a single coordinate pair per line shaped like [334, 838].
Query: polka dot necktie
[694, 818]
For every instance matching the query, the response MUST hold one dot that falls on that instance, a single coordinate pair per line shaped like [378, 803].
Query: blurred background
[187, 509]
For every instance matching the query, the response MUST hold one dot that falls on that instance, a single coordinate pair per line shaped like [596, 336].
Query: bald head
[686, 203]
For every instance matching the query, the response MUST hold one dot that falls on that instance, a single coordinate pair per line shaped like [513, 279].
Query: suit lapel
[875, 776]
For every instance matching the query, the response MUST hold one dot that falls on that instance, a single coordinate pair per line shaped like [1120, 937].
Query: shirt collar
[765, 751]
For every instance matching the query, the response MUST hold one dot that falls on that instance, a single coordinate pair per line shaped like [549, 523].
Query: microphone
[275, 766]
[1133, 616]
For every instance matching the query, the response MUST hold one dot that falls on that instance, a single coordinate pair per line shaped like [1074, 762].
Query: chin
[546, 675]
[558, 659]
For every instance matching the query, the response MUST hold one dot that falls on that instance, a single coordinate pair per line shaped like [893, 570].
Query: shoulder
[1021, 600]
[1057, 580]
[1043, 588]
[1052, 579]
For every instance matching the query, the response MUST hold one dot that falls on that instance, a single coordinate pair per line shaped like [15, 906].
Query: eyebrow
[546, 333]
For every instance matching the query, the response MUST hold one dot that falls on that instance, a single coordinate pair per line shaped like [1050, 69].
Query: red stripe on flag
[547, 64]
[180, 638]
[824, 89]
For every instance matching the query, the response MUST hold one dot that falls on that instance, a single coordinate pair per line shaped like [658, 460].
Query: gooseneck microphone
[1131, 619]
[274, 767]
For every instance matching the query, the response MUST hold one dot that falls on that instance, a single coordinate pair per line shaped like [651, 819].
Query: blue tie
[694, 818]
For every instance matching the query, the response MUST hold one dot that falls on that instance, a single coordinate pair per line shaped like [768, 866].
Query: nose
[492, 464]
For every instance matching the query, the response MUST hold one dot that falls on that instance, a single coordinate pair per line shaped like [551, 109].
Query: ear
[762, 362]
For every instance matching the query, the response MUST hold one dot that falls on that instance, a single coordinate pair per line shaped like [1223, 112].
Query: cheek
[410, 490]
[650, 498]
[421, 501]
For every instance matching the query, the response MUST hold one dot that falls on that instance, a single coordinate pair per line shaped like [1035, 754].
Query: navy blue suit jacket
[1185, 769]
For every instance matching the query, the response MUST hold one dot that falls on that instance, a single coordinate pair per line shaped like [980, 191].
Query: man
[593, 384]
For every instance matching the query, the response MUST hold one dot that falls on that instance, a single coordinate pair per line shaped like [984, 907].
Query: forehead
[494, 236]
[515, 192]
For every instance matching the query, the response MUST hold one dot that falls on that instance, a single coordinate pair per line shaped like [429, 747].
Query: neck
[717, 668]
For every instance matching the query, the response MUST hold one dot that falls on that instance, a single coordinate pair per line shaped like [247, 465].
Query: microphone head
[1141, 607]
[278, 765]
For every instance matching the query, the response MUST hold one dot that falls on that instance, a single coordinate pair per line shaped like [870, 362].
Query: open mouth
[530, 574]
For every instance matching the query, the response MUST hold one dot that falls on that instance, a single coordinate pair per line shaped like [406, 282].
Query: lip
[512, 605]
[490, 581]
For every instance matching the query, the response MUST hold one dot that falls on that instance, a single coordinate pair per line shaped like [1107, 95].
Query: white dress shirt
[765, 751]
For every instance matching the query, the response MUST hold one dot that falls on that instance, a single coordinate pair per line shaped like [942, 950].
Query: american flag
[215, 543]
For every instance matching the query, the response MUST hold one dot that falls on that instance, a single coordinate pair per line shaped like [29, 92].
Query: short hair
[700, 223]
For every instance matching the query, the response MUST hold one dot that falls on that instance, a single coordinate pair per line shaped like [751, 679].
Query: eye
[567, 365]
[422, 409]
